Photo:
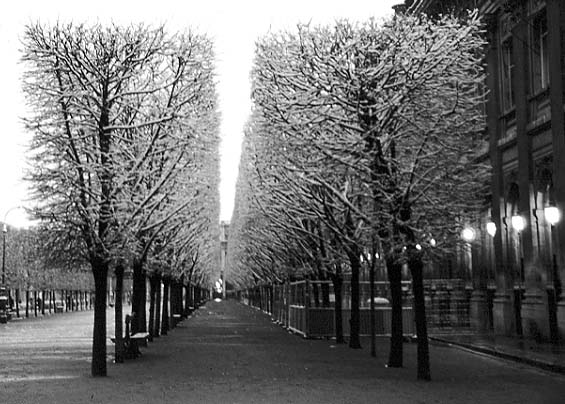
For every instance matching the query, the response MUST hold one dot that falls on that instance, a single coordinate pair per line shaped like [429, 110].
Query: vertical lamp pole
[4, 231]
[519, 224]
[552, 216]
[468, 235]
[3, 293]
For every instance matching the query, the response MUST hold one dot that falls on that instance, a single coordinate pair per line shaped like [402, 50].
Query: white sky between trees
[233, 25]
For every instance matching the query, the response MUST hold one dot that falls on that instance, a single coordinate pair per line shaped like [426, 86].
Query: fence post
[287, 308]
[307, 308]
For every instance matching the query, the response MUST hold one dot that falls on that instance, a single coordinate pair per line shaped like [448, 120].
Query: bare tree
[386, 120]
[108, 102]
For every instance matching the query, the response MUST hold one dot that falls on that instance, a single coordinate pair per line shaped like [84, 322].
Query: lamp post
[552, 216]
[491, 231]
[3, 293]
[4, 303]
[491, 228]
[4, 231]
[519, 224]
[468, 234]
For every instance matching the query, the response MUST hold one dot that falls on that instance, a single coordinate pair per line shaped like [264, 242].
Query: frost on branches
[364, 140]
[125, 145]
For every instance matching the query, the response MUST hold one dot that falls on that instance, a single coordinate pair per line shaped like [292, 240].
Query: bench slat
[140, 335]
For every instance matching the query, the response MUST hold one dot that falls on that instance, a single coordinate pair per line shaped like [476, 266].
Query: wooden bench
[134, 341]
[177, 318]
[140, 338]
[59, 308]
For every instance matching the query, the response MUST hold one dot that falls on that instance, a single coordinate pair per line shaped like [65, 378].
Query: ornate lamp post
[3, 290]
[491, 228]
[4, 231]
[519, 224]
[468, 234]
[552, 216]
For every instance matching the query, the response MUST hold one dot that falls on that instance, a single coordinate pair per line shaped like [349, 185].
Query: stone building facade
[518, 257]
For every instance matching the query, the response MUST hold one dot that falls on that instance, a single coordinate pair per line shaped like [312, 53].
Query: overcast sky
[233, 25]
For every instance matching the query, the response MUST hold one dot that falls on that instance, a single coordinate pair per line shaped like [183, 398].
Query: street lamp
[468, 234]
[4, 303]
[552, 215]
[491, 228]
[4, 231]
[518, 223]
[4, 296]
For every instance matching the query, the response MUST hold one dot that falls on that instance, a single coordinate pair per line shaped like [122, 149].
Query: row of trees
[366, 143]
[124, 156]
[28, 266]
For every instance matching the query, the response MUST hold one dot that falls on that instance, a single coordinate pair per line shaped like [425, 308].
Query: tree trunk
[35, 303]
[157, 329]
[416, 269]
[118, 309]
[372, 287]
[27, 303]
[182, 297]
[43, 303]
[139, 321]
[337, 282]
[191, 295]
[165, 317]
[18, 302]
[100, 272]
[394, 271]
[178, 297]
[355, 321]
[173, 296]
[187, 300]
[152, 294]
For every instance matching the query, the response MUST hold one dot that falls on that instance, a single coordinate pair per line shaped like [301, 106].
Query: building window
[507, 75]
[538, 50]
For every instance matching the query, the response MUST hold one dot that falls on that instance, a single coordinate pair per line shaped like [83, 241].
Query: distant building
[518, 259]
[224, 231]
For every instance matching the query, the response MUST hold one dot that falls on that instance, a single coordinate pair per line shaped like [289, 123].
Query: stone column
[503, 312]
[556, 44]
[535, 322]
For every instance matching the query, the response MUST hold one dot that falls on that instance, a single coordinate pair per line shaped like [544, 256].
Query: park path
[230, 353]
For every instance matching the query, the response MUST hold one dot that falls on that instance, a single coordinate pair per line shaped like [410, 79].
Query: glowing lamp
[491, 228]
[518, 223]
[468, 234]
[552, 215]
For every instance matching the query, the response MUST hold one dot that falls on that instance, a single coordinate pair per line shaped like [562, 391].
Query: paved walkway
[230, 353]
[543, 355]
